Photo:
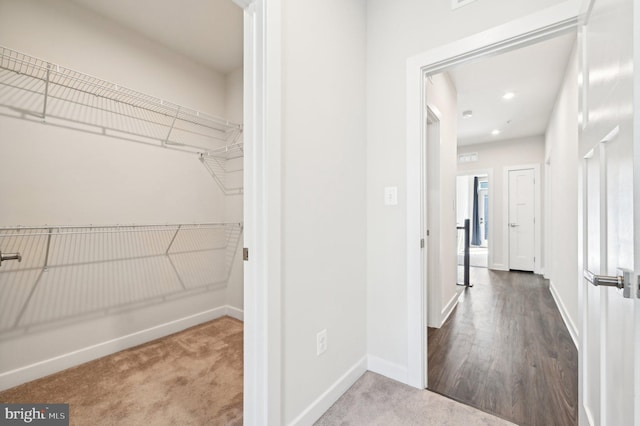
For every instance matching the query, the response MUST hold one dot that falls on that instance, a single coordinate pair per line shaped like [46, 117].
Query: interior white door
[610, 330]
[521, 223]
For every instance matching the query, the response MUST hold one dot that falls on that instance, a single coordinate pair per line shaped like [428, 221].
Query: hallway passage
[506, 351]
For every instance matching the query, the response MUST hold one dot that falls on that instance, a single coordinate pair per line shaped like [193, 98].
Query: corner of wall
[388, 369]
[318, 407]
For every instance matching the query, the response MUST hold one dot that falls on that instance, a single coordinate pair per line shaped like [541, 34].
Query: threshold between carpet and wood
[375, 400]
[506, 350]
[193, 377]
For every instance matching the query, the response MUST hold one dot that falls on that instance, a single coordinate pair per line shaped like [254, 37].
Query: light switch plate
[391, 196]
[321, 342]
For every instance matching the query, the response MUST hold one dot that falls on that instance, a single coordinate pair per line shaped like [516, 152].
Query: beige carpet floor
[375, 400]
[189, 378]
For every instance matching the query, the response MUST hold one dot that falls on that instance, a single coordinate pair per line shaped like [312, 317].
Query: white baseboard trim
[318, 407]
[388, 369]
[499, 267]
[573, 330]
[234, 312]
[49, 366]
[446, 311]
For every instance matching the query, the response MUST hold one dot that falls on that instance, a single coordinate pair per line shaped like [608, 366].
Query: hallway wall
[323, 202]
[561, 153]
[442, 276]
[397, 30]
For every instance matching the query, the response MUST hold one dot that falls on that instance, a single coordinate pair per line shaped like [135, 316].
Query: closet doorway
[126, 207]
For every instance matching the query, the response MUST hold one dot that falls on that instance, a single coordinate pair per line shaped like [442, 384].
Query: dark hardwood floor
[506, 351]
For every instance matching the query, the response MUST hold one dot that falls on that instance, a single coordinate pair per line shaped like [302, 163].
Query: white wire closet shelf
[225, 166]
[69, 272]
[31, 88]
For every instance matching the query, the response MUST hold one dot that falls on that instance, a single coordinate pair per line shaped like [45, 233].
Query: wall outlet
[321, 341]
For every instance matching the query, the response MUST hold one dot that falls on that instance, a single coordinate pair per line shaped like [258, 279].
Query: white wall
[233, 202]
[442, 97]
[496, 156]
[561, 148]
[397, 30]
[463, 194]
[61, 176]
[61, 32]
[323, 206]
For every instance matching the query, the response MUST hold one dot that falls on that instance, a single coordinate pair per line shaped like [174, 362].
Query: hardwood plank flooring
[505, 350]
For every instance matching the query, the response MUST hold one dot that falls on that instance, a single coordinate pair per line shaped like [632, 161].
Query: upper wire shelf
[32, 88]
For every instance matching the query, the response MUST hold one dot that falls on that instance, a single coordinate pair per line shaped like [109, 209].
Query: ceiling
[207, 31]
[534, 74]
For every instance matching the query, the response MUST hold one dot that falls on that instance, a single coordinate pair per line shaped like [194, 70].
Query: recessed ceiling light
[495, 132]
[468, 113]
[508, 95]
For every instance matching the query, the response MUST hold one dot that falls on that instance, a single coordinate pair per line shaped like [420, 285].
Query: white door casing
[431, 218]
[262, 216]
[609, 348]
[521, 32]
[521, 219]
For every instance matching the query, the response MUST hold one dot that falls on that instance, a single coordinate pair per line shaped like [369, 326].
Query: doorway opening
[172, 173]
[496, 117]
[473, 203]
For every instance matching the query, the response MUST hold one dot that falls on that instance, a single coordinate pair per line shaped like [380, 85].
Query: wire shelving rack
[32, 88]
[68, 272]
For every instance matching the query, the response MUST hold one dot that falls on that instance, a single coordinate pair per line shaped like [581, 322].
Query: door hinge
[245, 254]
[421, 242]
[427, 232]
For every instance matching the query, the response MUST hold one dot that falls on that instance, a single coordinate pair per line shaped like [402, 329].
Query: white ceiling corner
[243, 3]
[206, 31]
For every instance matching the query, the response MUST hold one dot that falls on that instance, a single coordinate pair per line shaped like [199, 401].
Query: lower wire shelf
[72, 271]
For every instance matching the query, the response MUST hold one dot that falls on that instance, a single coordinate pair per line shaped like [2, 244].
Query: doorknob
[513, 225]
[10, 256]
[621, 281]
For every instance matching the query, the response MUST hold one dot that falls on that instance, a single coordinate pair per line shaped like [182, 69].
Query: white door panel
[610, 334]
[591, 336]
[521, 219]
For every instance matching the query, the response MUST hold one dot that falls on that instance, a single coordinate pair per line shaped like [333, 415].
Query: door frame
[537, 231]
[521, 32]
[433, 286]
[492, 208]
[262, 118]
